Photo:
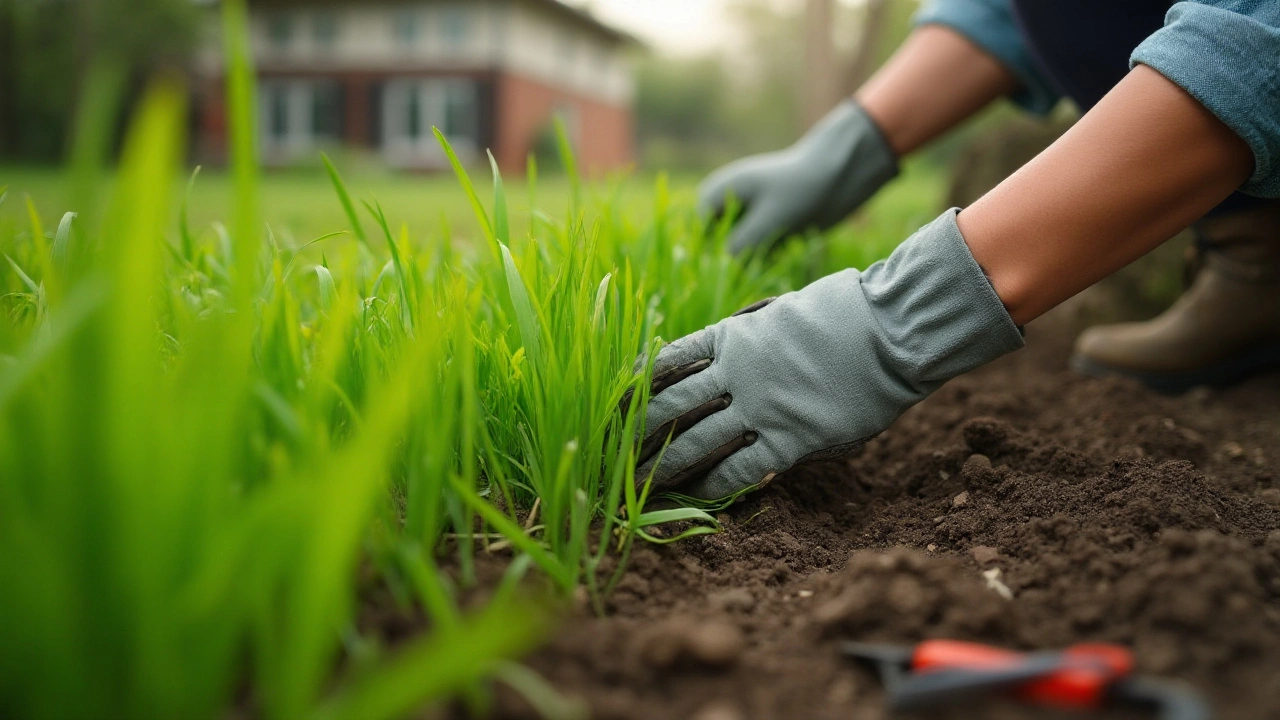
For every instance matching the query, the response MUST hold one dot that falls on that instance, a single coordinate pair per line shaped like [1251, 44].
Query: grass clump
[208, 435]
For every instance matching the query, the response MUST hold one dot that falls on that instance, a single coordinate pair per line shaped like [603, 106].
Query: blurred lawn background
[299, 204]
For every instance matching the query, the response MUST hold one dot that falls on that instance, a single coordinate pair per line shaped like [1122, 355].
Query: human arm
[939, 77]
[1145, 163]
[839, 360]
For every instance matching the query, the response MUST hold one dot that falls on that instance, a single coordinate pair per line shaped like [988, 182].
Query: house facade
[491, 74]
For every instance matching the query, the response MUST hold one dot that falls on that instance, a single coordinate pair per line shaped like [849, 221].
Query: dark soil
[1112, 514]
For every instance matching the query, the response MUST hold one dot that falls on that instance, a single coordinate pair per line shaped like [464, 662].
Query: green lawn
[300, 205]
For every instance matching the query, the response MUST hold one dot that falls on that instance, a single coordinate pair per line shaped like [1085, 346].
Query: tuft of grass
[217, 443]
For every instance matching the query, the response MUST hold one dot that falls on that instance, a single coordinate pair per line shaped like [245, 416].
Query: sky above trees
[671, 26]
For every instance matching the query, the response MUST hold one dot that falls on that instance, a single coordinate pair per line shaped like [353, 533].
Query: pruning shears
[1085, 677]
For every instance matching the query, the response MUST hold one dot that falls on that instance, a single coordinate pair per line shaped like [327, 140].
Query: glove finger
[759, 226]
[683, 397]
[674, 429]
[698, 451]
[688, 349]
[746, 468]
[755, 307]
[664, 381]
[713, 193]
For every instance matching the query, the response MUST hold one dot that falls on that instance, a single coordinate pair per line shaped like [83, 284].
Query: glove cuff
[849, 136]
[939, 314]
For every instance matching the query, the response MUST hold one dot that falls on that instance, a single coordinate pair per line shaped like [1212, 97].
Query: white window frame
[300, 139]
[400, 148]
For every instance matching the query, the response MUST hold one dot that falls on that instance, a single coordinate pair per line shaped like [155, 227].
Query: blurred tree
[821, 72]
[682, 107]
[48, 47]
[693, 113]
[882, 26]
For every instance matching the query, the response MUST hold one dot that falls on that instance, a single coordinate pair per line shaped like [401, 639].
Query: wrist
[939, 312]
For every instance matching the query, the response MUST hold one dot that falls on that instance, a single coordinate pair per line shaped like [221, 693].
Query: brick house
[377, 75]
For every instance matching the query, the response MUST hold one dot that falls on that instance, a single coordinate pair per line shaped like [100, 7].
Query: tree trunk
[821, 78]
[873, 31]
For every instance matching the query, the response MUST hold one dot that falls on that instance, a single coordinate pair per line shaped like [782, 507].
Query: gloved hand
[816, 373]
[815, 183]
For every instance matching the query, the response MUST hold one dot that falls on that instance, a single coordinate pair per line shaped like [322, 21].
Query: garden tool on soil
[1224, 327]
[1084, 677]
[814, 184]
[814, 374]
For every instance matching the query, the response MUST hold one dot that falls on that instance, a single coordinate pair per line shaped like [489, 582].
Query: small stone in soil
[978, 461]
[985, 554]
[716, 643]
[960, 500]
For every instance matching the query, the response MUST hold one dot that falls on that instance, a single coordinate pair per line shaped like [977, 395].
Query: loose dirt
[1098, 511]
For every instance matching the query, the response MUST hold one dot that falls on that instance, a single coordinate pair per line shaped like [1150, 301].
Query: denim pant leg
[1084, 47]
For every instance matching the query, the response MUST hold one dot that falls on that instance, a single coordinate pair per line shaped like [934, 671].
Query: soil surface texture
[1022, 506]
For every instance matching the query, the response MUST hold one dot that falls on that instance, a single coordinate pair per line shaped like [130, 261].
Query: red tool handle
[1088, 670]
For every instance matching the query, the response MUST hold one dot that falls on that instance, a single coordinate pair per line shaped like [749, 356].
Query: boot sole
[1222, 374]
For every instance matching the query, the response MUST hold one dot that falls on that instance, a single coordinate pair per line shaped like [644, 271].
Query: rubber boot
[1226, 325]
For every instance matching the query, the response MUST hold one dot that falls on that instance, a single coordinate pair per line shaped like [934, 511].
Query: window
[326, 111]
[324, 28]
[280, 30]
[404, 25]
[412, 107]
[413, 129]
[456, 25]
[276, 109]
[458, 118]
[298, 114]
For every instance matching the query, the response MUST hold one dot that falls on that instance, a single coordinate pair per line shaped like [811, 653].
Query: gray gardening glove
[814, 374]
[815, 183]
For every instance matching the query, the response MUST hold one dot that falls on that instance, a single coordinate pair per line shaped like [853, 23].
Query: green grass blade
[344, 198]
[660, 517]
[243, 123]
[406, 297]
[565, 576]
[444, 664]
[570, 163]
[540, 694]
[469, 189]
[30, 284]
[328, 288]
[69, 318]
[95, 126]
[526, 319]
[691, 532]
[501, 225]
[184, 220]
[62, 243]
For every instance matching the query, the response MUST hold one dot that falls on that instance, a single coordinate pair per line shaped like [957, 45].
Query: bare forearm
[1145, 163]
[935, 81]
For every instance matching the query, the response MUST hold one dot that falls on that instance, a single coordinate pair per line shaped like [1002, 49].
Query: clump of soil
[1021, 505]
